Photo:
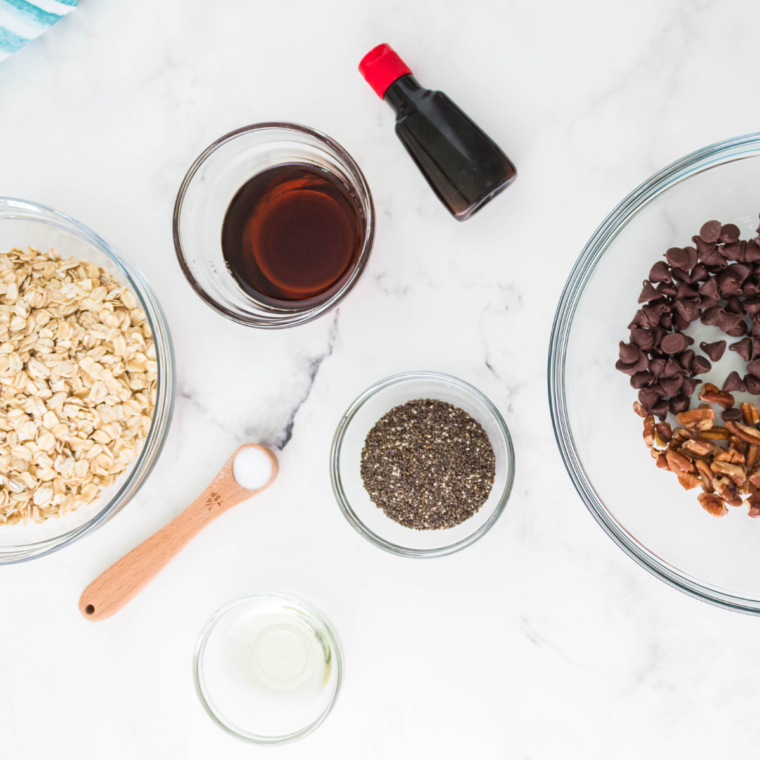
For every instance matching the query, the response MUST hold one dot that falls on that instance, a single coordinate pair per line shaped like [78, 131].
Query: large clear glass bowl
[642, 508]
[24, 224]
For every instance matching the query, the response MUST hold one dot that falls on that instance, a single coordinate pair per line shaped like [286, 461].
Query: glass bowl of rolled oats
[86, 380]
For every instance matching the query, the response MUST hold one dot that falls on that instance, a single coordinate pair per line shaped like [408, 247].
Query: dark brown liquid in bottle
[292, 233]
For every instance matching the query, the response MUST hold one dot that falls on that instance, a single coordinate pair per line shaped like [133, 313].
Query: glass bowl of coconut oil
[268, 668]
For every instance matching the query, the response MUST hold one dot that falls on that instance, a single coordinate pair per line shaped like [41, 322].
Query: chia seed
[428, 465]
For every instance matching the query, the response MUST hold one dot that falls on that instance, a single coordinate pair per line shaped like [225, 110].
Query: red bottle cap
[381, 67]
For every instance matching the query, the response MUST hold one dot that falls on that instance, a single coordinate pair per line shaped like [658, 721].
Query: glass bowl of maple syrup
[273, 225]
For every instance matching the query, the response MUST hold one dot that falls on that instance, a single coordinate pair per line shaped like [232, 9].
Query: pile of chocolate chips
[717, 280]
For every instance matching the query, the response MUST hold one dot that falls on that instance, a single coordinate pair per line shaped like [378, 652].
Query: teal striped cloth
[21, 21]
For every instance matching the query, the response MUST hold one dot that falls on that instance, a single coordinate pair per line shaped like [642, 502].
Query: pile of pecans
[729, 476]
[716, 281]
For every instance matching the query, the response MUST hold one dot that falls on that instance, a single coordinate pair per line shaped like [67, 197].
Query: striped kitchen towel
[21, 21]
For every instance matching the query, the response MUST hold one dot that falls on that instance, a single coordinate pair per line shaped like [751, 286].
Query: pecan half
[736, 472]
[688, 480]
[678, 462]
[706, 474]
[715, 433]
[754, 505]
[639, 409]
[679, 436]
[750, 413]
[713, 504]
[714, 395]
[748, 434]
[754, 477]
[662, 461]
[649, 430]
[697, 419]
[726, 489]
[697, 447]
[752, 456]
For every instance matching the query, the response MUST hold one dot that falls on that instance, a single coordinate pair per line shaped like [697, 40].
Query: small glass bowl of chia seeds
[422, 464]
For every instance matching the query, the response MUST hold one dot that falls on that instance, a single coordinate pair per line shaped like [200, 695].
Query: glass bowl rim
[335, 644]
[711, 156]
[163, 410]
[342, 499]
[297, 317]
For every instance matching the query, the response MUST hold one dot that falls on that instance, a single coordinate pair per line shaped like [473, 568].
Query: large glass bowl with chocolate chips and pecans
[654, 374]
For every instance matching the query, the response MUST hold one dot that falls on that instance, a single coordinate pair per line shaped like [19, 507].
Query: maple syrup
[294, 232]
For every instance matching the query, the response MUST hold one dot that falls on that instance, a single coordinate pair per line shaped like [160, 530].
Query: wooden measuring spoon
[109, 592]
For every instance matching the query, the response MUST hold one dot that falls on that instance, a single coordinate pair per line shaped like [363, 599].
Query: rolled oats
[78, 379]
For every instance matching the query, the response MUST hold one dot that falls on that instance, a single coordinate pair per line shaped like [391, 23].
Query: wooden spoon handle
[110, 591]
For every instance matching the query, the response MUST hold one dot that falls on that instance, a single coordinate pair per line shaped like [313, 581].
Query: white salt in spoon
[250, 470]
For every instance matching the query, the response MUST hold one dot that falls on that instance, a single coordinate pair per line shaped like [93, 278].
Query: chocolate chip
[728, 321]
[738, 271]
[734, 251]
[738, 331]
[753, 384]
[661, 408]
[728, 285]
[660, 272]
[648, 292]
[677, 257]
[732, 415]
[699, 273]
[642, 379]
[689, 385]
[629, 353]
[735, 306]
[657, 367]
[666, 321]
[703, 247]
[626, 369]
[756, 347]
[715, 260]
[743, 348]
[686, 291]
[679, 404]
[691, 262]
[654, 309]
[754, 368]
[711, 316]
[671, 385]
[686, 360]
[672, 343]
[708, 303]
[709, 289]
[648, 398]
[714, 350]
[701, 365]
[710, 231]
[683, 275]
[750, 288]
[688, 308]
[751, 252]
[729, 233]
[667, 289]
[639, 320]
[642, 338]
[680, 322]
[734, 383]
[755, 327]
[672, 368]
[752, 306]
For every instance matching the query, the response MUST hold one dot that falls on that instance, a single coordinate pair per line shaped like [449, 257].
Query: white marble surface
[541, 641]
